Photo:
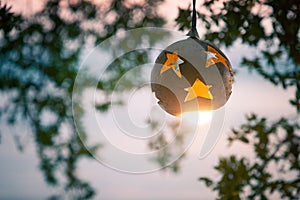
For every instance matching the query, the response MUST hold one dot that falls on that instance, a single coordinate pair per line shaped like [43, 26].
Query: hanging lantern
[191, 75]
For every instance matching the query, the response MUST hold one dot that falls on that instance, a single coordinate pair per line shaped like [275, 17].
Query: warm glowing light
[198, 117]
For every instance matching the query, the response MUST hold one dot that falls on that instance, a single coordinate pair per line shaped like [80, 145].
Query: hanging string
[193, 32]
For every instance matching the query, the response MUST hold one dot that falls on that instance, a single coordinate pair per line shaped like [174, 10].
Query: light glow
[198, 117]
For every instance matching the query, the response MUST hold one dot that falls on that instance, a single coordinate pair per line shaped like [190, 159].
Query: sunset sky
[21, 178]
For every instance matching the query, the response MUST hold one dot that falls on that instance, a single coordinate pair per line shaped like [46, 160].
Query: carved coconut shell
[191, 75]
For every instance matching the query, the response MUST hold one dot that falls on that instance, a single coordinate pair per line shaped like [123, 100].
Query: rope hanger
[193, 32]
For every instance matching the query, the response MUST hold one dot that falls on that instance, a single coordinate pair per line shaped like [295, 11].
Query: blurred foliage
[39, 61]
[273, 28]
[274, 169]
[8, 20]
[169, 151]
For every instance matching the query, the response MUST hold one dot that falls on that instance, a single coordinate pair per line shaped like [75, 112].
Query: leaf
[208, 182]
[244, 139]
[103, 107]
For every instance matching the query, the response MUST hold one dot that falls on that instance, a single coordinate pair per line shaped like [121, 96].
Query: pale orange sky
[168, 9]
[19, 172]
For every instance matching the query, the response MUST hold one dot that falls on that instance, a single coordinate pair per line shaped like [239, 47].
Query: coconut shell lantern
[191, 75]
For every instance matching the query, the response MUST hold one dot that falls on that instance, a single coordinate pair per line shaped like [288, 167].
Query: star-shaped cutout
[199, 89]
[214, 57]
[173, 61]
